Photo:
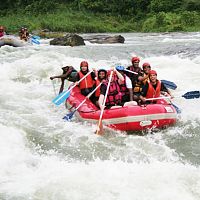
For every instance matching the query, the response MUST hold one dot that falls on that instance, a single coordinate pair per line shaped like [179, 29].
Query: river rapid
[43, 157]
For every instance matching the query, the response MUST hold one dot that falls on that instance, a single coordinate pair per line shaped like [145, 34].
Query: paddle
[54, 89]
[128, 70]
[168, 84]
[35, 39]
[178, 110]
[187, 95]
[64, 95]
[69, 116]
[99, 131]
[191, 95]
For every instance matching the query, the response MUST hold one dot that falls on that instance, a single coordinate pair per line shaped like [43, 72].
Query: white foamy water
[43, 157]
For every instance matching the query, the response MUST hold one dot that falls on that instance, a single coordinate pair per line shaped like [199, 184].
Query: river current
[43, 157]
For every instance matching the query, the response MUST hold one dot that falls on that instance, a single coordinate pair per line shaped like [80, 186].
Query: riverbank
[65, 20]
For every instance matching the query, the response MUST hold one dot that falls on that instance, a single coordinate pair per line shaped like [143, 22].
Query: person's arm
[103, 89]
[93, 75]
[52, 77]
[100, 101]
[62, 86]
[120, 76]
[164, 90]
[131, 93]
[144, 92]
[130, 87]
[143, 77]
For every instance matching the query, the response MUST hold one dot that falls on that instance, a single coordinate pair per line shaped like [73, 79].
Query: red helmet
[135, 59]
[153, 72]
[84, 64]
[146, 65]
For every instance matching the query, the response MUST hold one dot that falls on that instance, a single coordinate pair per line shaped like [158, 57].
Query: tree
[192, 5]
[165, 5]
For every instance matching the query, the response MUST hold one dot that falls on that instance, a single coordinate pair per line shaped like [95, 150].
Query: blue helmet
[120, 68]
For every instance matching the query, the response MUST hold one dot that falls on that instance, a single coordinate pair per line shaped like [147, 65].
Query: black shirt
[132, 76]
[103, 89]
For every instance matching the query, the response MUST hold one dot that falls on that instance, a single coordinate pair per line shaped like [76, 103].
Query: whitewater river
[43, 157]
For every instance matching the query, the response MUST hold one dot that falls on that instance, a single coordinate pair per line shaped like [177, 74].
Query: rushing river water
[43, 157]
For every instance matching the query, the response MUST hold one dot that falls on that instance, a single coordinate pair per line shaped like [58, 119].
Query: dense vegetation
[101, 15]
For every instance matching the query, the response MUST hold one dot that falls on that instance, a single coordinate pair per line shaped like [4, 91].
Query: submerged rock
[68, 40]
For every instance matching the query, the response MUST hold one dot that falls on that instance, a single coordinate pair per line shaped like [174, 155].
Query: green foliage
[163, 22]
[41, 6]
[191, 5]
[101, 15]
[164, 5]
[190, 18]
[115, 7]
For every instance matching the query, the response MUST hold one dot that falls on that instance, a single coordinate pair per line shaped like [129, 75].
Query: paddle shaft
[54, 89]
[187, 95]
[157, 98]
[72, 87]
[130, 71]
[87, 97]
[104, 102]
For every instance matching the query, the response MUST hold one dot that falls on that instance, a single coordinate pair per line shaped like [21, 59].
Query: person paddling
[87, 84]
[24, 34]
[137, 71]
[2, 31]
[126, 87]
[145, 75]
[101, 77]
[114, 96]
[153, 88]
[69, 73]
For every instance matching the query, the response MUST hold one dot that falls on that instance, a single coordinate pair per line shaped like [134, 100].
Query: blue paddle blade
[69, 116]
[66, 117]
[35, 41]
[36, 37]
[169, 84]
[61, 97]
[191, 95]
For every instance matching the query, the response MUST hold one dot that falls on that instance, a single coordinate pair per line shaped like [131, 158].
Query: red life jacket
[114, 95]
[87, 82]
[153, 93]
[97, 93]
[1, 34]
[123, 89]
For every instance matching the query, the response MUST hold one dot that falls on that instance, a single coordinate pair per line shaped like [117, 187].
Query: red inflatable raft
[127, 118]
